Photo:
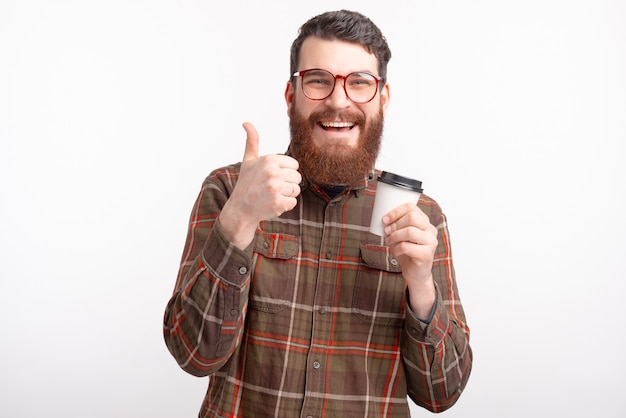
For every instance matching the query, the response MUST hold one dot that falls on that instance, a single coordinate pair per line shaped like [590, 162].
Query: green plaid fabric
[312, 319]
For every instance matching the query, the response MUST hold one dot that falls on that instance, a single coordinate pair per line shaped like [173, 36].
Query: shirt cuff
[227, 262]
[432, 332]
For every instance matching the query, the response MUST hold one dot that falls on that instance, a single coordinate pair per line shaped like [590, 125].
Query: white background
[512, 113]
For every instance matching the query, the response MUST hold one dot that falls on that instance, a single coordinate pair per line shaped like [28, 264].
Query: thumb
[252, 142]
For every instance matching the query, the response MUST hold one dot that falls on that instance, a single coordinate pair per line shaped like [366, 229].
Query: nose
[338, 99]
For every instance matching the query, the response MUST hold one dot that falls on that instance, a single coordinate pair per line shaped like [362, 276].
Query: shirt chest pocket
[274, 274]
[379, 291]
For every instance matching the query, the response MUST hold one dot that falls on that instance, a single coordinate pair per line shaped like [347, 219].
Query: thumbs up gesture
[267, 187]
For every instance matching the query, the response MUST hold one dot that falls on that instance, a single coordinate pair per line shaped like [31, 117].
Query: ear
[385, 97]
[289, 93]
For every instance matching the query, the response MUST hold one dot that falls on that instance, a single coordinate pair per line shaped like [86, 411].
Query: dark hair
[344, 25]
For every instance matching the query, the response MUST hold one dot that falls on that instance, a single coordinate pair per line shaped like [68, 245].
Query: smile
[337, 125]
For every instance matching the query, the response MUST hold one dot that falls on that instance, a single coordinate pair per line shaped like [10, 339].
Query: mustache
[330, 115]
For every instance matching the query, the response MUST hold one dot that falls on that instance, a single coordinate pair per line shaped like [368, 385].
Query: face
[335, 140]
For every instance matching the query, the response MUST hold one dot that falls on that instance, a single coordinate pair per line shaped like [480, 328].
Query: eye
[360, 80]
[318, 79]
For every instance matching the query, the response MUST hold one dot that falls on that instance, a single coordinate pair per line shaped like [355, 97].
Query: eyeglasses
[318, 84]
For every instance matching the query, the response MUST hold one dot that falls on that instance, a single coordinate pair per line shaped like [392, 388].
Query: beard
[334, 164]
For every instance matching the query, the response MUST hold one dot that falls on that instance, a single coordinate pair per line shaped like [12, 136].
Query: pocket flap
[380, 257]
[281, 246]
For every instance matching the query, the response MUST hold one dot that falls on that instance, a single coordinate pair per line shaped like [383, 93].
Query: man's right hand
[267, 187]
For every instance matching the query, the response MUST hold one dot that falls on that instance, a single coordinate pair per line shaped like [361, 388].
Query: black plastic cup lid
[399, 181]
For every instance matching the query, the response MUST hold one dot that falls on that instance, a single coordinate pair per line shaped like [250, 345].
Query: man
[284, 298]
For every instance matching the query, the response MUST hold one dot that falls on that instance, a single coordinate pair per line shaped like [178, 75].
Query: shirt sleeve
[437, 354]
[203, 320]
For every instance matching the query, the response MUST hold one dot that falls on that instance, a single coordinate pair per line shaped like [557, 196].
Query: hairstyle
[344, 25]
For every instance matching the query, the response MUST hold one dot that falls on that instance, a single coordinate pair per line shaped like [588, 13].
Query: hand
[413, 242]
[267, 187]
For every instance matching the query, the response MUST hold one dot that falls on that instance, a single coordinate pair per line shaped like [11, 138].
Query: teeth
[337, 124]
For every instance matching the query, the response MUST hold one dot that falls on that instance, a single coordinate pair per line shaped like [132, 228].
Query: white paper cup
[392, 190]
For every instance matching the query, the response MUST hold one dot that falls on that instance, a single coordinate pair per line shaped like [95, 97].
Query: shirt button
[243, 270]
[394, 262]
[316, 364]
[322, 311]
[266, 245]
[329, 255]
[233, 312]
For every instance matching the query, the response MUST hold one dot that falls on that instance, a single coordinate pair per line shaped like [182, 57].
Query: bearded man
[284, 298]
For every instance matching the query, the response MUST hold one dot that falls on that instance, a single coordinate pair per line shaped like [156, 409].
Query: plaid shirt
[312, 319]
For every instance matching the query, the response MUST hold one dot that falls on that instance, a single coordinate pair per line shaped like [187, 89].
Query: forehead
[338, 57]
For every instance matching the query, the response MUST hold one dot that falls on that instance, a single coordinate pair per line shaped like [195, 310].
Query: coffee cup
[392, 190]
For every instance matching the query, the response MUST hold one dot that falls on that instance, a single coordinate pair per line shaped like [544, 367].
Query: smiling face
[335, 140]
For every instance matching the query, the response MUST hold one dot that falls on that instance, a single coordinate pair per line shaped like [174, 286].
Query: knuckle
[273, 189]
